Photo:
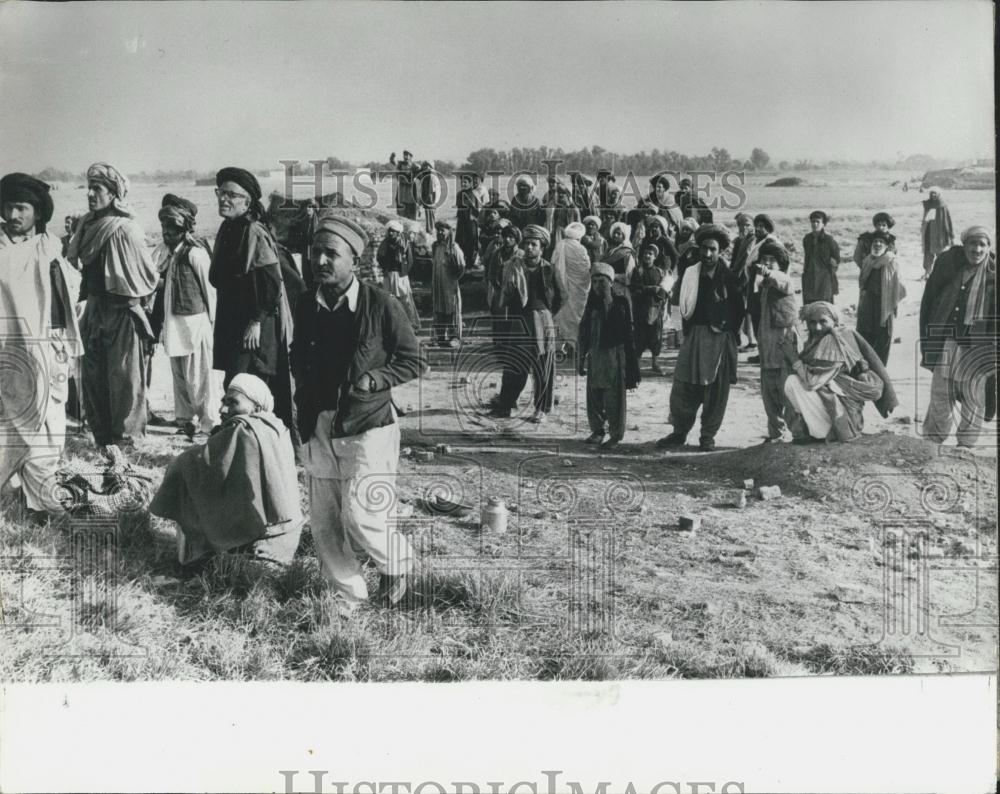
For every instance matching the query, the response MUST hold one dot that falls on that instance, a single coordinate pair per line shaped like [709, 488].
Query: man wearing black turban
[37, 287]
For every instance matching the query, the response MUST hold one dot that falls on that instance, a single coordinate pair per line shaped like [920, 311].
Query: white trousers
[959, 377]
[196, 387]
[352, 496]
[810, 406]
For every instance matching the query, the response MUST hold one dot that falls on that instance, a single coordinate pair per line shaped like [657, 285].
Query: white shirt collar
[351, 296]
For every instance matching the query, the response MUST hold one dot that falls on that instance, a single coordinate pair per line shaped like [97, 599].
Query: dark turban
[742, 216]
[170, 200]
[443, 225]
[534, 232]
[713, 231]
[885, 237]
[346, 230]
[241, 177]
[511, 231]
[172, 215]
[883, 217]
[685, 182]
[764, 220]
[819, 214]
[21, 188]
[777, 250]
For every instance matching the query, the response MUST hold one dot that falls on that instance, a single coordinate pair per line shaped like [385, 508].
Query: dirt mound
[785, 181]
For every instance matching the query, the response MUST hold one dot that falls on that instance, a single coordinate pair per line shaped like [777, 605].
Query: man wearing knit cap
[39, 340]
[449, 265]
[532, 296]
[353, 343]
[188, 313]
[822, 257]
[238, 492]
[711, 307]
[958, 338]
[607, 356]
[119, 279]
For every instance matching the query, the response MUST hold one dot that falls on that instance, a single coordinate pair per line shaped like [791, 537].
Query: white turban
[592, 219]
[977, 231]
[394, 226]
[524, 179]
[254, 389]
[574, 231]
[619, 225]
[602, 269]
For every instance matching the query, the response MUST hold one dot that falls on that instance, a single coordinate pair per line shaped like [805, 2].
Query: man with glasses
[252, 317]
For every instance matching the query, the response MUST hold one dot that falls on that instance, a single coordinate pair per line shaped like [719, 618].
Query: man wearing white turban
[238, 492]
[572, 268]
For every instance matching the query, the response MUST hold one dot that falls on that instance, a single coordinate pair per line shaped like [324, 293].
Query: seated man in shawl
[532, 296]
[238, 491]
[449, 266]
[39, 338]
[834, 375]
[395, 258]
[572, 269]
[648, 299]
[189, 310]
[253, 321]
[958, 338]
[607, 356]
[881, 223]
[779, 311]
[712, 309]
[593, 240]
[119, 278]
[881, 292]
[936, 230]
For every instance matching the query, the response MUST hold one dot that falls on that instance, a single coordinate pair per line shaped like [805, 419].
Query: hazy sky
[199, 85]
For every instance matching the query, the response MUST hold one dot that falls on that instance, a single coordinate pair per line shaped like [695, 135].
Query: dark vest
[187, 295]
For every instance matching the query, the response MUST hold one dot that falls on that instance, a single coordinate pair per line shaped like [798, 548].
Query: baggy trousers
[686, 398]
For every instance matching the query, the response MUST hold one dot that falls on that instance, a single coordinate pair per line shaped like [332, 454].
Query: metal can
[494, 515]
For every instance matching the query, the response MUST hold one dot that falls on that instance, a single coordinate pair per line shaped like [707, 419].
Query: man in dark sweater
[352, 344]
[712, 308]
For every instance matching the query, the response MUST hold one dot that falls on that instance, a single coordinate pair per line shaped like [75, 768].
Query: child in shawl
[881, 292]
[648, 300]
[238, 491]
[881, 222]
[834, 375]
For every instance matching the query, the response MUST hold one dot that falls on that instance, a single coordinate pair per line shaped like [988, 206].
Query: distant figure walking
[936, 230]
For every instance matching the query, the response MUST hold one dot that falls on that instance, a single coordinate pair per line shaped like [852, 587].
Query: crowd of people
[310, 353]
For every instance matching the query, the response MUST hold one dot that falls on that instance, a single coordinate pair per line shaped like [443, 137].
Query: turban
[413, 227]
[172, 215]
[510, 230]
[651, 247]
[934, 189]
[407, 154]
[177, 211]
[575, 230]
[346, 230]
[820, 215]
[602, 269]
[819, 309]
[660, 178]
[592, 219]
[742, 216]
[619, 225]
[659, 220]
[534, 232]
[503, 223]
[170, 200]
[241, 177]
[713, 231]
[685, 182]
[21, 188]
[110, 177]
[690, 223]
[394, 226]
[524, 179]
[443, 225]
[764, 220]
[883, 217]
[254, 389]
[883, 236]
[977, 231]
[775, 249]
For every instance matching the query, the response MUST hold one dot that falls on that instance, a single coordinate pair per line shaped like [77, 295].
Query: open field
[880, 556]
